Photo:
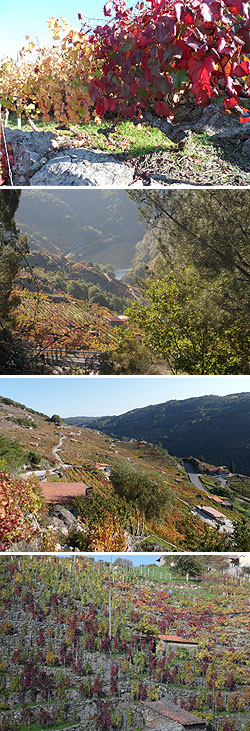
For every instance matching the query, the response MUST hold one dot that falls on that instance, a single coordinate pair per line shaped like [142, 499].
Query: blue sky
[18, 19]
[137, 559]
[99, 396]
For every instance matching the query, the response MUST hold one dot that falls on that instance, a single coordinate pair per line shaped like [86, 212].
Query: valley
[72, 487]
[84, 267]
[99, 226]
[217, 426]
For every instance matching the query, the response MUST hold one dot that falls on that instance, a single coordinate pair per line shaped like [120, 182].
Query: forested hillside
[212, 426]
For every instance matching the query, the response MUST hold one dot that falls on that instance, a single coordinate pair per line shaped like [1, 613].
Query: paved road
[55, 451]
[194, 478]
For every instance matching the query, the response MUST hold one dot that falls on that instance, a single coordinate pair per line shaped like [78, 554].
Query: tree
[188, 564]
[183, 321]
[129, 357]
[241, 535]
[123, 562]
[194, 310]
[209, 227]
[79, 290]
[34, 458]
[14, 357]
[12, 454]
[56, 419]
[13, 247]
[147, 496]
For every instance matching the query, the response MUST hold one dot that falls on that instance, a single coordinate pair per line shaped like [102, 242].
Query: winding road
[41, 474]
[195, 478]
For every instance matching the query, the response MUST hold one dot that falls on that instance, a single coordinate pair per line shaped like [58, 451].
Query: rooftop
[211, 511]
[174, 713]
[56, 492]
[217, 499]
[177, 638]
[116, 318]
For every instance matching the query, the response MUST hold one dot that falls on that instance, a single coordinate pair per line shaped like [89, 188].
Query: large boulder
[31, 150]
[58, 527]
[65, 516]
[217, 122]
[86, 167]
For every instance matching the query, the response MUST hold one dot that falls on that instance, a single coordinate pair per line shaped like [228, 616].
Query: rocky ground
[211, 147]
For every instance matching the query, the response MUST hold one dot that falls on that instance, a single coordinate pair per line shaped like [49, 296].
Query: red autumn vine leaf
[145, 57]
[108, 8]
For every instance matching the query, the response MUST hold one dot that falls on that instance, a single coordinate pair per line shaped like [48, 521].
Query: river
[120, 273]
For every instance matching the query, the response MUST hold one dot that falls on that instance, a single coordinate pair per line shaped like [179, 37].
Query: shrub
[12, 454]
[34, 458]
[18, 498]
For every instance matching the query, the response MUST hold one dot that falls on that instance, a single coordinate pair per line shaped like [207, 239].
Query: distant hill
[215, 428]
[53, 272]
[93, 225]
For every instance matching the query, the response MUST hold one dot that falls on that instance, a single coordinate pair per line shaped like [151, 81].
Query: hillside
[87, 646]
[52, 464]
[59, 328]
[65, 307]
[213, 427]
[97, 226]
[53, 273]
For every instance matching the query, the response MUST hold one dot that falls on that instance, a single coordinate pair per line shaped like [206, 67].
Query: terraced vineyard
[83, 646]
[68, 324]
[64, 453]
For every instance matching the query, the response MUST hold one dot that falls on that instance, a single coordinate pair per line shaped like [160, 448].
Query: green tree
[181, 318]
[34, 458]
[211, 228]
[12, 455]
[188, 564]
[146, 495]
[241, 535]
[13, 355]
[13, 247]
[56, 419]
[129, 357]
[96, 296]
[79, 290]
[195, 308]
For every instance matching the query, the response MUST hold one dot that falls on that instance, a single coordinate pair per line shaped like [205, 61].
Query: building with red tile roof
[177, 639]
[63, 492]
[211, 513]
[115, 320]
[168, 710]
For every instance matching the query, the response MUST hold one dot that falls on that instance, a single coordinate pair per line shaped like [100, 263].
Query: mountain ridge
[215, 426]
